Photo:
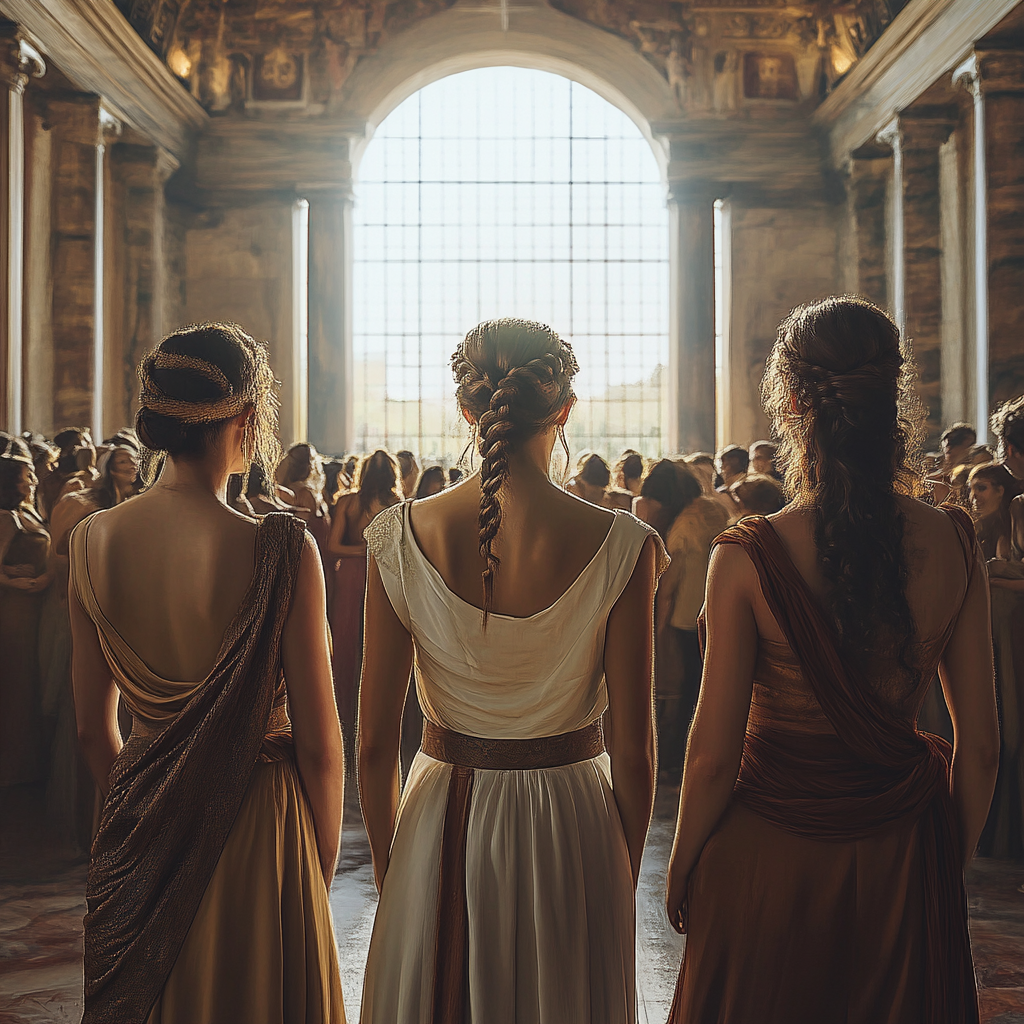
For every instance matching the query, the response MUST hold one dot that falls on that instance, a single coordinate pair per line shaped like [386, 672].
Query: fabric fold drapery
[466, 754]
[876, 770]
[174, 797]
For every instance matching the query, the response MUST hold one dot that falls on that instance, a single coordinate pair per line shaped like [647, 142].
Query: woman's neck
[198, 476]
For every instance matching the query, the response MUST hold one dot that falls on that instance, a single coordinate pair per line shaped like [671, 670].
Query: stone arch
[538, 37]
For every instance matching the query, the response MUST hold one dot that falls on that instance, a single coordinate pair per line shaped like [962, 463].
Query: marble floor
[41, 908]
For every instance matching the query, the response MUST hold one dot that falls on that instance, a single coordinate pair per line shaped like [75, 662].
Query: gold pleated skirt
[261, 948]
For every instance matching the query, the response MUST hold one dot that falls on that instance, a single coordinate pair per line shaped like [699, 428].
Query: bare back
[169, 571]
[547, 538]
[937, 573]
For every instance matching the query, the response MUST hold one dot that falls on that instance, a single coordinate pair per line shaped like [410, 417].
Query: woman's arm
[95, 695]
[387, 663]
[629, 673]
[339, 522]
[720, 723]
[305, 656]
[968, 682]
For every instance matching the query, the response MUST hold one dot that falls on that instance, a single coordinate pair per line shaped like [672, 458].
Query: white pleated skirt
[549, 893]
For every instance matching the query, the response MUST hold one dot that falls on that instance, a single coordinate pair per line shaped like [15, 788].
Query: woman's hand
[675, 900]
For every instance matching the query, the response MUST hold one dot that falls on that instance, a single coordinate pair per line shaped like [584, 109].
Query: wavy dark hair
[514, 378]
[839, 387]
[379, 478]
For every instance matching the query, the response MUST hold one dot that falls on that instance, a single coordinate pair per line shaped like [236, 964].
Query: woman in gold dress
[207, 892]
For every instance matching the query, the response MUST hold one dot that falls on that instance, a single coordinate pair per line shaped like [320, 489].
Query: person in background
[703, 465]
[67, 442]
[302, 471]
[629, 471]
[71, 793]
[762, 459]
[378, 486]
[591, 479]
[662, 497]
[733, 462]
[955, 443]
[677, 604]
[24, 579]
[992, 489]
[261, 496]
[757, 495]
[336, 483]
[1008, 428]
[44, 460]
[410, 471]
[431, 482]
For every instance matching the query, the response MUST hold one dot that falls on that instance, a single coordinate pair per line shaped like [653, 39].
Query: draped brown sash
[466, 754]
[174, 798]
[877, 770]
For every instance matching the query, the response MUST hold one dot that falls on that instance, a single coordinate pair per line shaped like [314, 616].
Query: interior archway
[516, 192]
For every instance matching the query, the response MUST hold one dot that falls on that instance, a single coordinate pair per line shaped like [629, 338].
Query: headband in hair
[14, 452]
[230, 404]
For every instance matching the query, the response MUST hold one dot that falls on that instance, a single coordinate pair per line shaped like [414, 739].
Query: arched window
[509, 192]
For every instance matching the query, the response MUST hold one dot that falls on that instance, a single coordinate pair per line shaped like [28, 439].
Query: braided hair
[515, 379]
[839, 388]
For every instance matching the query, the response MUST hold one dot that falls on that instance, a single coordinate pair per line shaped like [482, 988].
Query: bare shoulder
[927, 526]
[730, 566]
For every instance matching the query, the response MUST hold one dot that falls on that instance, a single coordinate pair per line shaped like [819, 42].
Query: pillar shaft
[17, 62]
[870, 173]
[692, 320]
[1002, 85]
[923, 131]
[77, 270]
[140, 172]
[330, 321]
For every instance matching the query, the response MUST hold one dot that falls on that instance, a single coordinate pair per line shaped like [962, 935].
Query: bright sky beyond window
[509, 192]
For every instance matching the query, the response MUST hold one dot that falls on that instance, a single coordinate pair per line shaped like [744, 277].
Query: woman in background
[378, 486]
[24, 579]
[219, 835]
[629, 471]
[992, 490]
[663, 494]
[819, 857]
[591, 480]
[431, 482]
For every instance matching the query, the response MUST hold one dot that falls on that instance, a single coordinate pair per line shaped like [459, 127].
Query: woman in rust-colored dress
[818, 863]
[378, 486]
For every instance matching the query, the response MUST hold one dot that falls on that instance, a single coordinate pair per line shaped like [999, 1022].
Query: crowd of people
[47, 487]
[774, 666]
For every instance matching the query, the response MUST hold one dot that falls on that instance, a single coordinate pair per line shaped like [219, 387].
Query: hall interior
[164, 162]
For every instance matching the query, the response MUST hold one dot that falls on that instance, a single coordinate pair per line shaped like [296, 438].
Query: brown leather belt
[512, 755]
[467, 754]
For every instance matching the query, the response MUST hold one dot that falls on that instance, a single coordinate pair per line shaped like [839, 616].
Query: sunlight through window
[509, 192]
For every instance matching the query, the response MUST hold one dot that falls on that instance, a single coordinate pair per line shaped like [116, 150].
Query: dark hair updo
[197, 379]
[514, 378]
[839, 388]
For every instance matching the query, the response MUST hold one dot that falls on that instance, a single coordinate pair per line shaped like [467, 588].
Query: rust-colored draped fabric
[174, 798]
[839, 769]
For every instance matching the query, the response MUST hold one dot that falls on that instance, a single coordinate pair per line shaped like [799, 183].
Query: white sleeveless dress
[548, 882]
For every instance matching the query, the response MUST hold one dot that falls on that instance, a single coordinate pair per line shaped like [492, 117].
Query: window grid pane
[509, 192]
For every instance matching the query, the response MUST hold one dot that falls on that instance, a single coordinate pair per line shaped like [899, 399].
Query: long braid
[523, 400]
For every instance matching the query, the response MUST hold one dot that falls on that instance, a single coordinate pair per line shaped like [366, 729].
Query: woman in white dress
[507, 872]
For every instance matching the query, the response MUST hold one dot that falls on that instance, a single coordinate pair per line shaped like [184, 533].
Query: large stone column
[77, 262]
[330, 320]
[140, 172]
[891, 136]
[17, 61]
[692, 317]
[923, 131]
[1001, 76]
[870, 172]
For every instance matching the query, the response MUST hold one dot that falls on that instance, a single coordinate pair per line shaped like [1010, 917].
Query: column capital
[693, 192]
[986, 72]
[891, 135]
[326, 192]
[926, 127]
[78, 116]
[19, 59]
